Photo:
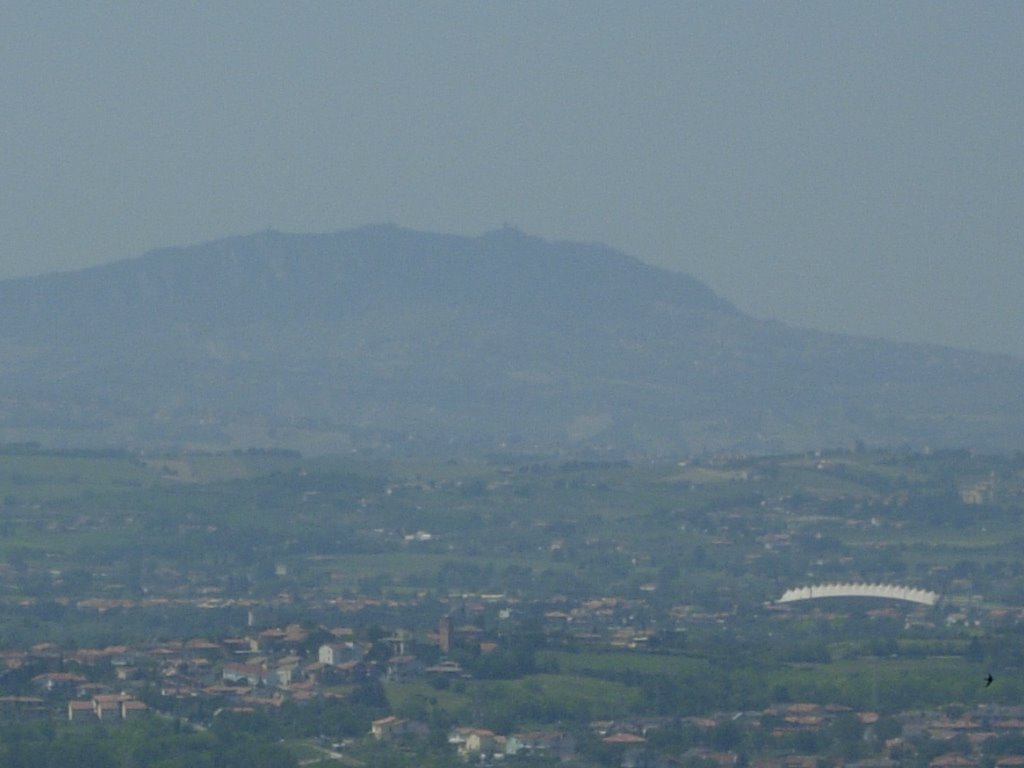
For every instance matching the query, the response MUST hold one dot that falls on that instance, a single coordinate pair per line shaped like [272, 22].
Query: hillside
[393, 340]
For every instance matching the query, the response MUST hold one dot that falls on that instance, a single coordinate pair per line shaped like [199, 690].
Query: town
[598, 613]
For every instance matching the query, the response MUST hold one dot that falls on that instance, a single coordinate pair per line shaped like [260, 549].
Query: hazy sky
[850, 166]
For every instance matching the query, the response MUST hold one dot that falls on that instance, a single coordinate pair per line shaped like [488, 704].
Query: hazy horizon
[846, 168]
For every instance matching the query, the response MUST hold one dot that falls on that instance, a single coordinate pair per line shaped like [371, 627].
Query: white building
[336, 654]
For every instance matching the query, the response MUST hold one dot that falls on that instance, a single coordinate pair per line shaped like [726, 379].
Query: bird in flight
[988, 680]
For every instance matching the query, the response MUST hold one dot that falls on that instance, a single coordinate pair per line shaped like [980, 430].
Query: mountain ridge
[381, 337]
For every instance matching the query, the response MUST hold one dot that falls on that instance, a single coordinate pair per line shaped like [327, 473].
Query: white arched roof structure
[849, 589]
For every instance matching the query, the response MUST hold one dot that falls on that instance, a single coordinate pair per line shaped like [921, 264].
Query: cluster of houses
[107, 708]
[270, 666]
[87, 702]
[965, 732]
[480, 743]
[292, 663]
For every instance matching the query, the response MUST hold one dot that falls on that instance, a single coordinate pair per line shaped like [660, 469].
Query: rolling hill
[385, 339]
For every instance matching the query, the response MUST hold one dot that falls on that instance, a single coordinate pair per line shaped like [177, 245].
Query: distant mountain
[393, 340]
